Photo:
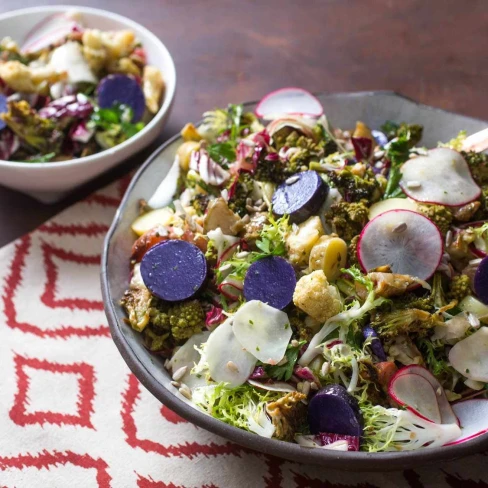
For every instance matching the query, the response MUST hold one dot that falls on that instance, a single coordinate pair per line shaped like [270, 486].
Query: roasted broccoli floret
[242, 191]
[157, 341]
[200, 202]
[478, 164]
[459, 287]
[354, 188]
[186, 318]
[271, 171]
[39, 133]
[300, 329]
[482, 213]
[439, 214]
[412, 132]
[410, 320]
[287, 414]
[347, 219]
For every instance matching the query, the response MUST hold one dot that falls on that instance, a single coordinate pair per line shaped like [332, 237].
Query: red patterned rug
[71, 413]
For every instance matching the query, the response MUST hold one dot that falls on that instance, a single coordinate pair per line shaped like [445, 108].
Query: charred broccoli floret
[399, 322]
[270, 170]
[478, 164]
[243, 190]
[459, 288]
[297, 321]
[352, 251]
[482, 213]
[347, 219]
[354, 188]
[439, 214]
[412, 132]
[37, 132]
[200, 202]
[186, 318]
[287, 414]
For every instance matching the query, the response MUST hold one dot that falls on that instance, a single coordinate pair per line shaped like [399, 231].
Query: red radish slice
[49, 31]
[416, 393]
[442, 176]
[445, 409]
[407, 241]
[473, 417]
[291, 100]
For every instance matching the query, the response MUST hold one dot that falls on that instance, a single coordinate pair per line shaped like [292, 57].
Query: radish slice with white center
[473, 417]
[276, 386]
[441, 177]
[470, 356]
[227, 360]
[445, 409]
[391, 204]
[292, 100]
[415, 393]
[262, 330]
[49, 31]
[407, 241]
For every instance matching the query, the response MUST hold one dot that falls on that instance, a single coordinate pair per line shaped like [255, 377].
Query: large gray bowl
[343, 110]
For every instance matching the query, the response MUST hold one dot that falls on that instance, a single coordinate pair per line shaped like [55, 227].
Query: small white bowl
[49, 182]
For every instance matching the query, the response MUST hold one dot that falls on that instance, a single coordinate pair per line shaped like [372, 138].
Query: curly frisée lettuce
[243, 407]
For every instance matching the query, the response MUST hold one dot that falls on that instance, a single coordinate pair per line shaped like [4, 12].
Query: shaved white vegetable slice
[442, 177]
[474, 306]
[407, 241]
[227, 360]
[187, 356]
[69, 58]
[391, 204]
[165, 192]
[276, 386]
[470, 357]
[149, 220]
[290, 100]
[476, 142]
[417, 394]
[262, 330]
[473, 417]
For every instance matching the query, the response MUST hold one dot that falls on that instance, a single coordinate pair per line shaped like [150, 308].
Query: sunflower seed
[306, 387]
[292, 179]
[295, 343]
[401, 227]
[314, 386]
[176, 384]
[233, 366]
[185, 391]
[179, 373]
[449, 238]
[413, 185]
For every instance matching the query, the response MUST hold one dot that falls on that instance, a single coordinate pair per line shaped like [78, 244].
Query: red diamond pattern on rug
[71, 413]
[70, 398]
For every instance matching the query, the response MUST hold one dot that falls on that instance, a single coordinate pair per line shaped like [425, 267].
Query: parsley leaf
[285, 371]
[222, 152]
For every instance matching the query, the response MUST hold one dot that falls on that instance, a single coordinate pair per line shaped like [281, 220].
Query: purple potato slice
[375, 345]
[481, 281]
[3, 109]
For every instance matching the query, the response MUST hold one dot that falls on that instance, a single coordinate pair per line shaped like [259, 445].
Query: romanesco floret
[314, 296]
[287, 414]
[186, 318]
[347, 219]
[439, 214]
[37, 132]
[355, 188]
[459, 287]
[157, 341]
[478, 164]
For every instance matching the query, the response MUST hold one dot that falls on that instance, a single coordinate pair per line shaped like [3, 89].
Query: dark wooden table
[232, 51]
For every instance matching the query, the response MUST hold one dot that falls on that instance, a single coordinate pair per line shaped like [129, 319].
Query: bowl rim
[351, 461]
[163, 110]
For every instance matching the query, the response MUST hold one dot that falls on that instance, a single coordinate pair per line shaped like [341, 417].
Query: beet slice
[300, 196]
[375, 345]
[174, 270]
[270, 280]
[122, 89]
[481, 281]
[333, 410]
[3, 109]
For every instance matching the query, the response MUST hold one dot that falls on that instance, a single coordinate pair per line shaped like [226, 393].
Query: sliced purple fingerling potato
[174, 270]
[300, 196]
[122, 89]
[270, 280]
[3, 110]
[333, 410]
[481, 281]
[375, 344]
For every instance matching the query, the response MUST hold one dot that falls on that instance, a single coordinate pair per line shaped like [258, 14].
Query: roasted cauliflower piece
[392, 284]
[316, 297]
[300, 241]
[220, 215]
[153, 87]
[137, 304]
[26, 79]
[287, 414]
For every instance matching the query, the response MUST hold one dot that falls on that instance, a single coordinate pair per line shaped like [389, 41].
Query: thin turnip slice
[275, 386]
[163, 196]
[407, 241]
[263, 331]
[292, 101]
[469, 356]
[473, 417]
[49, 31]
[442, 177]
[445, 409]
[227, 360]
[476, 142]
[415, 393]
[391, 204]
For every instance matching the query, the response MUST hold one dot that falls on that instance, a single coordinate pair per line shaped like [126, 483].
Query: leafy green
[222, 152]
[435, 357]
[41, 158]
[284, 372]
[398, 152]
[390, 129]
[235, 115]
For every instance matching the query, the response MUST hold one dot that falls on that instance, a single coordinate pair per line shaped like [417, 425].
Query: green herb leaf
[44, 158]
[285, 371]
[222, 152]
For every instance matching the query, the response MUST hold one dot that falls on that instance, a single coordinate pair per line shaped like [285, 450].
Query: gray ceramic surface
[343, 110]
